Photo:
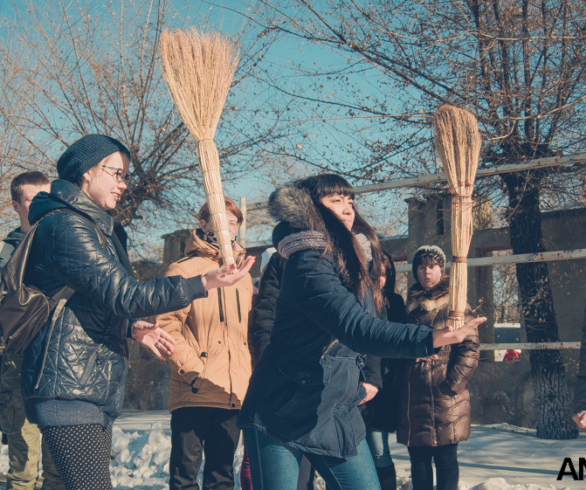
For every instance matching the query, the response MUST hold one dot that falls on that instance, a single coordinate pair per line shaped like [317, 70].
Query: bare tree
[80, 67]
[517, 65]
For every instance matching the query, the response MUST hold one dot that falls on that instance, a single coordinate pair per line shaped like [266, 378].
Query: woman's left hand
[371, 391]
[156, 339]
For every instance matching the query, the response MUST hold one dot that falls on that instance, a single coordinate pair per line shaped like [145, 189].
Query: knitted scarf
[315, 240]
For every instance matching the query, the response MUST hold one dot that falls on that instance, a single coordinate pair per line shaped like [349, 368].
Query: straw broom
[458, 143]
[199, 69]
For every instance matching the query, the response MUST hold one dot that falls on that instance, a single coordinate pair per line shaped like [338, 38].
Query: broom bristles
[198, 69]
[458, 144]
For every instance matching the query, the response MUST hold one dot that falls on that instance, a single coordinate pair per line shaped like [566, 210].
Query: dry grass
[199, 69]
[458, 143]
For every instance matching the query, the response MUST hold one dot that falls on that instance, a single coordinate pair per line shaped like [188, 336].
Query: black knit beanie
[86, 153]
[428, 251]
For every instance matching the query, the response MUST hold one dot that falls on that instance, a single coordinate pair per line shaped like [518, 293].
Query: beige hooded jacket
[212, 336]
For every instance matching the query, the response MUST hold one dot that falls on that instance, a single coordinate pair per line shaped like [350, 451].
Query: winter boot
[387, 477]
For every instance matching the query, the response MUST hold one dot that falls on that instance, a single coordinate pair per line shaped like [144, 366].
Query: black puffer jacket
[382, 412]
[84, 359]
[434, 397]
[264, 306]
[9, 245]
[580, 393]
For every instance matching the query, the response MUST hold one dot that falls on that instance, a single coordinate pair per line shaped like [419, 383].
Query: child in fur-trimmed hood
[434, 397]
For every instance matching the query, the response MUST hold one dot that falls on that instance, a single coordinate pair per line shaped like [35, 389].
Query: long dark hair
[391, 275]
[353, 268]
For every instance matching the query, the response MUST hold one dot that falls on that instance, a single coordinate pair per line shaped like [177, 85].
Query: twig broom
[458, 143]
[199, 69]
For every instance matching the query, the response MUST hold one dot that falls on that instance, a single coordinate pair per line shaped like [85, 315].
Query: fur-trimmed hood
[293, 205]
[429, 300]
[301, 226]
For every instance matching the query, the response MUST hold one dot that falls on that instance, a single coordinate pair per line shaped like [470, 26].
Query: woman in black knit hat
[74, 370]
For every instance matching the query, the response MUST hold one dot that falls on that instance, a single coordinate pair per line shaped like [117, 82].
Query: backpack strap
[63, 295]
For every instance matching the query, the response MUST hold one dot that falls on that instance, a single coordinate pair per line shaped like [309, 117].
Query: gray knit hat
[427, 251]
[86, 153]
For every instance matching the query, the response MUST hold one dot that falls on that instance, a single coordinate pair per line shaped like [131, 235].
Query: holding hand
[434, 357]
[156, 339]
[447, 335]
[227, 275]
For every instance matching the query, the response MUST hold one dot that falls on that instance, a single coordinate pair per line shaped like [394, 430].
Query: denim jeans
[275, 467]
[378, 442]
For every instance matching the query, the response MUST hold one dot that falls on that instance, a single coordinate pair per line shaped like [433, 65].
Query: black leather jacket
[85, 357]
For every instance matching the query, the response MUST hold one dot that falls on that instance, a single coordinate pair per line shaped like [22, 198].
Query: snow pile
[140, 459]
[501, 484]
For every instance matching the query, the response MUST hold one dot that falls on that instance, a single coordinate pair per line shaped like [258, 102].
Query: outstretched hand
[447, 335]
[227, 275]
[155, 338]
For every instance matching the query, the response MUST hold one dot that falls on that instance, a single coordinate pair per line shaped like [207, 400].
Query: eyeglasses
[119, 175]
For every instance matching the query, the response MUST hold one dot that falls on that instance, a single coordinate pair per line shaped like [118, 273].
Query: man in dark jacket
[23, 436]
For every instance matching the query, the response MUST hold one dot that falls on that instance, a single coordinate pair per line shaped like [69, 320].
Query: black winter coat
[84, 359]
[305, 389]
[264, 306]
[9, 245]
[382, 412]
[580, 393]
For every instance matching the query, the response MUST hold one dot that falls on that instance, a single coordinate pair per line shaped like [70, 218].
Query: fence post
[242, 231]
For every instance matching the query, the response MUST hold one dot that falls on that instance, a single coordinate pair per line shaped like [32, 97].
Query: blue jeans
[275, 467]
[378, 442]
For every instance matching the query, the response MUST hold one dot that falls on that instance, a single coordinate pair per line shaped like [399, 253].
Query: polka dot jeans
[81, 454]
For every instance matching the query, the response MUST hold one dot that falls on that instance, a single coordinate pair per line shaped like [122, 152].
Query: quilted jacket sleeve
[318, 293]
[463, 359]
[72, 254]
[264, 307]
[467, 354]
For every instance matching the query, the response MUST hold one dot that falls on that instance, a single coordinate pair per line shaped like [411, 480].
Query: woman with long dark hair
[304, 392]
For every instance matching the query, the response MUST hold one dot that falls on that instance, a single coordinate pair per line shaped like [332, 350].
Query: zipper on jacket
[409, 404]
[434, 435]
[220, 305]
[230, 374]
[238, 306]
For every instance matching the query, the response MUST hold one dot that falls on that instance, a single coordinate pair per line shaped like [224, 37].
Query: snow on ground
[497, 457]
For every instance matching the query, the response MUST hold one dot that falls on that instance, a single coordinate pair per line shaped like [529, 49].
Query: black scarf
[210, 237]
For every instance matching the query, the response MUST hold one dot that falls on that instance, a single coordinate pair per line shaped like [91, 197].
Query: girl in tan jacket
[211, 364]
